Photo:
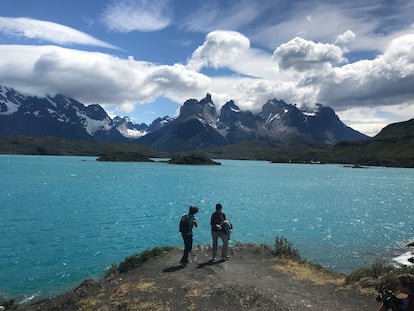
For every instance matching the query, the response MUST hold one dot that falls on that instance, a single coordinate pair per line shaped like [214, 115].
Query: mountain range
[199, 125]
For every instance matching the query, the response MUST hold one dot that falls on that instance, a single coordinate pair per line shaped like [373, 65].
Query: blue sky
[144, 58]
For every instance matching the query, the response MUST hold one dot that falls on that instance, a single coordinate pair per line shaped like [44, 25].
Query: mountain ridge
[277, 122]
[198, 125]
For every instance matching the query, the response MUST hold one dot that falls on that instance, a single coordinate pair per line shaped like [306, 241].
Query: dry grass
[305, 271]
[192, 290]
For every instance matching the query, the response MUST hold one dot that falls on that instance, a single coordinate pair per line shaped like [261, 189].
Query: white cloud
[229, 15]
[386, 80]
[141, 15]
[47, 31]
[324, 22]
[346, 37]
[303, 55]
[251, 93]
[95, 77]
[371, 121]
[220, 49]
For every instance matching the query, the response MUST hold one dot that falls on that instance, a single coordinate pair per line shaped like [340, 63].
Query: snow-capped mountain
[58, 116]
[199, 126]
[130, 129]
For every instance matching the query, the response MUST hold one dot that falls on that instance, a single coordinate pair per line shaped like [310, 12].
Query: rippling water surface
[64, 219]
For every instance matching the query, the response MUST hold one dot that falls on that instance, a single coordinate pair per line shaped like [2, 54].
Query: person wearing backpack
[187, 222]
[220, 227]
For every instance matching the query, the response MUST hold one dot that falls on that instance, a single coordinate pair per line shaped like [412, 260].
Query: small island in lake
[193, 159]
[124, 157]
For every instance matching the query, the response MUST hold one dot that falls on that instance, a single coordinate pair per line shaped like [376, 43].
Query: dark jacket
[191, 220]
[217, 219]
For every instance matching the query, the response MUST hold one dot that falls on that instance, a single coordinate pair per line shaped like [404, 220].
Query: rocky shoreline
[252, 279]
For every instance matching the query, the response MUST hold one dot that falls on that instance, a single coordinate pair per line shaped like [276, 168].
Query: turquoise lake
[65, 219]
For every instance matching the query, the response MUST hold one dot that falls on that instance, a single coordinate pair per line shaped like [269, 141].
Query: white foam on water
[403, 259]
[27, 300]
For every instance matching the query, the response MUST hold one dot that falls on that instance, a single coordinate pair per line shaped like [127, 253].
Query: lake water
[64, 219]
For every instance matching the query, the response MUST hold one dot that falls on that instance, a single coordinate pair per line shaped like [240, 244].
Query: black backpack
[185, 223]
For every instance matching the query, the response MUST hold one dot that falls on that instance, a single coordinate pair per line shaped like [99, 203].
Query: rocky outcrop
[192, 159]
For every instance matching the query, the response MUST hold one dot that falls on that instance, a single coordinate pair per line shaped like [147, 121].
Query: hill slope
[393, 146]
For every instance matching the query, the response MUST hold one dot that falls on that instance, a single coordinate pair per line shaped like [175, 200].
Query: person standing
[187, 222]
[216, 222]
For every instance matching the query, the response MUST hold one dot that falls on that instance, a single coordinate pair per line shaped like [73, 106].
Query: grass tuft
[135, 261]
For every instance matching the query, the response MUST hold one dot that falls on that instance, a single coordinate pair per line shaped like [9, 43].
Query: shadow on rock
[173, 269]
[210, 263]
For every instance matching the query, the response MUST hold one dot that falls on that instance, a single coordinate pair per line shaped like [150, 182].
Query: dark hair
[407, 280]
[218, 206]
[193, 209]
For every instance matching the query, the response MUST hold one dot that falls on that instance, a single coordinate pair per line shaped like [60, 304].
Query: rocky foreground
[252, 279]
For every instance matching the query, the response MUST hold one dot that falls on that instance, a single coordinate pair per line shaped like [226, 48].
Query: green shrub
[283, 248]
[134, 261]
[386, 274]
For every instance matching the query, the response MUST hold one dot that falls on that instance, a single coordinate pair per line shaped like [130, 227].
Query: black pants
[188, 246]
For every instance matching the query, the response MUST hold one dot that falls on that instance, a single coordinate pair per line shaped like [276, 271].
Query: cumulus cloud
[47, 31]
[140, 15]
[386, 80]
[303, 55]
[346, 37]
[95, 77]
[220, 49]
[336, 19]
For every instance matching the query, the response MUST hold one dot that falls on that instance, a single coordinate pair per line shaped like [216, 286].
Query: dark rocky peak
[326, 113]
[279, 112]
[325, 116]
[231, 114]
[230, 106]
[96, 112]
[274, 106]
[228, 110]
[159, 123]
[203, 110]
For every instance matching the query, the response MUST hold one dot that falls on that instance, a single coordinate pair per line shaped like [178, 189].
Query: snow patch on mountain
[91, 125]
[10, 107]
[130, 133]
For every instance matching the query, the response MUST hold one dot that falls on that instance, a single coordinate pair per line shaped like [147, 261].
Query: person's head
[407, 282]
[193, 209]
[219, 207]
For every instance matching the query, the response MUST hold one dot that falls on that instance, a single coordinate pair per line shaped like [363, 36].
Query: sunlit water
[64, 219]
